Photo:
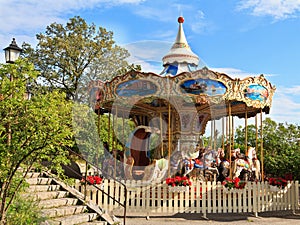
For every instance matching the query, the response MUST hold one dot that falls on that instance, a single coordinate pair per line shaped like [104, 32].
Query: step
[51, 203]
[38, 180]
[74, 219]
[64, 211]
[43, 187]
[46, 195]
[94, 223]
[33, 174]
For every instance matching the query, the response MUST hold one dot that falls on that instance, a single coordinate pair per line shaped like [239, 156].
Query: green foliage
[92, 130]
[281, 146]
[24, 212]
[70, 57]
[31, 130]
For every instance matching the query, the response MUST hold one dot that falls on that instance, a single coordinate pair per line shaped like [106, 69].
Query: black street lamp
[12, 52]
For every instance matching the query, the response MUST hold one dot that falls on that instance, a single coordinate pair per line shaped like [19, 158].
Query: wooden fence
[210, 197]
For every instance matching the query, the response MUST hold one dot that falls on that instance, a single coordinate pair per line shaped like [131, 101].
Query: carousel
[177, 107]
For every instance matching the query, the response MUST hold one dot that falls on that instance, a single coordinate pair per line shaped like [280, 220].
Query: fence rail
[209, 197]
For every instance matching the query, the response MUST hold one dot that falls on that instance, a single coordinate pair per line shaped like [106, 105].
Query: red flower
[178, 181]
[92, 180]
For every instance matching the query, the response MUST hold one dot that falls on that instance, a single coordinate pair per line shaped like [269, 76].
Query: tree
[71, 56]
[31, 130]
[280, 145]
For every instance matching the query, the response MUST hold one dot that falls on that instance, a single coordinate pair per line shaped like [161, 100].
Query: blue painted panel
[203, 86]
[136, 87]
[256, 92]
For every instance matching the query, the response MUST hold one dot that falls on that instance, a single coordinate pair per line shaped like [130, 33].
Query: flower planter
[179, 188]
[274, 188]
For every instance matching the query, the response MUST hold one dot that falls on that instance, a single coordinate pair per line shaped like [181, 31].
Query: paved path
[270, 218]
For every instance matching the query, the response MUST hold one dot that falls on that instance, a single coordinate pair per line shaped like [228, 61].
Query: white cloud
[278, 9]
[285, 108]
[238, 73]
[148, 54]
[27, 15]
[295, 90]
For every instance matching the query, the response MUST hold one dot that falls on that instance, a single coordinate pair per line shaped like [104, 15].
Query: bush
[23, 212]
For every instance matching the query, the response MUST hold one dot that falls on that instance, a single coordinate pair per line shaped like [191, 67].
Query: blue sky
[239, 37]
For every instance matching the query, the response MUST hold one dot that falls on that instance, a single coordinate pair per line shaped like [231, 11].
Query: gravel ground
[267, 218]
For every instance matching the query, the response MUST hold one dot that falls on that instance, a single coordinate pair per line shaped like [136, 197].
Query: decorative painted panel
[256, 92]
[203, 86]
[136, 88]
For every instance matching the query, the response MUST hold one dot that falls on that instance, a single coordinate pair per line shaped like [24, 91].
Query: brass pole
[246, 130]
[223, 133]
[169, 139]
[211, 133]
[109, 130]
[229, 116]
[161, 136]
[261, 146]
[99, 131]
[215, 136]
[256, 133]
[116, 140]
[232, 130]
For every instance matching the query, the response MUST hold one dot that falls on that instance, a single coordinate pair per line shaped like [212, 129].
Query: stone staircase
[62, 204]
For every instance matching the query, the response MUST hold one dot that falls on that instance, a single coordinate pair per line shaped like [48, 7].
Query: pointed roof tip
[180, 51]
[180, 19]
[180, 40]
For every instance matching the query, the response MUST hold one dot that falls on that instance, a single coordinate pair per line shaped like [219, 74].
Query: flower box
[178, 188]
[274, 188]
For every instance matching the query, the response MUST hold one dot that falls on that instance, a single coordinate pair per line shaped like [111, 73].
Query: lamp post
[12, 53]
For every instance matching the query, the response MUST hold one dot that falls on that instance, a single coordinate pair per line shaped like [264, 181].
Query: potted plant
[230, 184]
[178, 184]
[277, 183]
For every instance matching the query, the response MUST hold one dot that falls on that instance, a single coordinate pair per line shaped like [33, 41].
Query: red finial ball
[180, 19]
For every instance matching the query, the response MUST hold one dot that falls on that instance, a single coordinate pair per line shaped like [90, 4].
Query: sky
[238, 37]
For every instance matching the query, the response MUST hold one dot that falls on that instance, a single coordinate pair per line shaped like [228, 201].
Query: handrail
[109, 176]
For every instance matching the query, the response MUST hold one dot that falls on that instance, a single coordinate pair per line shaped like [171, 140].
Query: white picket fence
[210, 197]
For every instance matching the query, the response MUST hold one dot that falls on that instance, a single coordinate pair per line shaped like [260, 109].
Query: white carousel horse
[240, 167]
[254, 163]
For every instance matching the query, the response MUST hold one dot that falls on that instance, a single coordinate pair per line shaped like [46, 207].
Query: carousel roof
[180, 58]
[194, 97]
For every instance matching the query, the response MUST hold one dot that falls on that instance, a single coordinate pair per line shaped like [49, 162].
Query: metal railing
[122, 204]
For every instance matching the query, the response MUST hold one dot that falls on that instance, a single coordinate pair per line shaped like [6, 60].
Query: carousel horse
[176, 163]
[206, 161]
[223, 165]
[241, 167]
[254, 164]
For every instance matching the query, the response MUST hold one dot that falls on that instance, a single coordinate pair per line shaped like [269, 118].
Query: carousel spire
[180, 58]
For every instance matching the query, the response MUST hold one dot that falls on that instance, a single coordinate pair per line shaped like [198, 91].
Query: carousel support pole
[99, 131]
[232, 130]
[169, 139]
[229, 124]
[115, 141]
[261, 146]
[211, 133]
[256, 133]
[223, 133]
[161, 136]
[109, 130]
[123, 131]
[215, 136]
[246, 131]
